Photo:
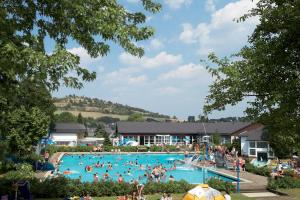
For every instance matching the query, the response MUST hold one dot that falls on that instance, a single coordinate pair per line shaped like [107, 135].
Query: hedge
[63, 187]
[53, 149]
[263, 171]
[286, 182]
[221, 185]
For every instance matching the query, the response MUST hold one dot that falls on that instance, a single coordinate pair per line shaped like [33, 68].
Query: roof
[69, 128]
[254, 134]
[224, 128]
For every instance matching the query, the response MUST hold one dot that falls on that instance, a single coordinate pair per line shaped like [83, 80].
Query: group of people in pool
[155, 173]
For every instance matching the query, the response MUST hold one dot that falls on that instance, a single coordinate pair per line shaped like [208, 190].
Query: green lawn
[240, 197]
[291, 192]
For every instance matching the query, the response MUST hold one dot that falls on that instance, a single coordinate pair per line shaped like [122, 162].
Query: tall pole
[238, 175]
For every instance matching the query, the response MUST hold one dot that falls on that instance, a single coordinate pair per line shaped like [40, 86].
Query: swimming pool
[122, 163]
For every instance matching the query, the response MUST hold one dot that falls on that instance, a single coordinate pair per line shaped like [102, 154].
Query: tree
[265, 73]
[65, 117]
[216, 139]
[100, 131]
[136, 117]
[203, 118]
[26, 25]
[25, 129]
[80, 119]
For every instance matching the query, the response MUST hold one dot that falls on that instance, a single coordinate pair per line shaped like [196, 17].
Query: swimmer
[120, 179]
[129, 172]
[96, 178]
[106, 175]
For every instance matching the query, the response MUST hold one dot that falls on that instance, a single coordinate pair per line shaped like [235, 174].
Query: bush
[263, 171]
[286, 182]
[108, 148]
[63, 187]
[53, 149]
[221, 185]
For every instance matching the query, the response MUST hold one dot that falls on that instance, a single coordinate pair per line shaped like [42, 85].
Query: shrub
[23, 172]
[62, 187]
[221, 185]
[128, 148]
[53, 149]
[263, 171]
[286, 182]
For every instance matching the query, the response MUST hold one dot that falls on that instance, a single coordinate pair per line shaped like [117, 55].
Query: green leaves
[265, 73]
[28, 74]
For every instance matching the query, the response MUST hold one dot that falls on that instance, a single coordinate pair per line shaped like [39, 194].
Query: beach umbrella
[203, 192]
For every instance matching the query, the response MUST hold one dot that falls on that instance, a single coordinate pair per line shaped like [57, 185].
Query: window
[131, 138]
[147, 140]
[271, 153]
[252, 152]
[252, 144]
[151, 139]
[225, 140]
[167, 139]
[262, 145]
[158, 139]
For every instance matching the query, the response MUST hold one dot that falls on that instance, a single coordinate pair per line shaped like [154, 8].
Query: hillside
[94, 107]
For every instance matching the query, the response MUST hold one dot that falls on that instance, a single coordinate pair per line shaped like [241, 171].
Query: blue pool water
[121, 165]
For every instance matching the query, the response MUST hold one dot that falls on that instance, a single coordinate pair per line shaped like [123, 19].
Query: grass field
[92, 114]
[97, 114]
[292, 192]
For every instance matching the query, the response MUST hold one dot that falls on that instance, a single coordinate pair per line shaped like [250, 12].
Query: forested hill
[94, 106]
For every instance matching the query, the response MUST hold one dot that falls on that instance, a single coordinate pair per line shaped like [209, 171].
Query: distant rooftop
[254, 134]
[225, 128]
[69, 128]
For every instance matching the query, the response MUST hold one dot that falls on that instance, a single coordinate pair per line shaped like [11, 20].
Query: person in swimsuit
[106, 175]
[156, 173]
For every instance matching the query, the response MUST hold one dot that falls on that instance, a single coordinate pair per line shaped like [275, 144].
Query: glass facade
[256, 147]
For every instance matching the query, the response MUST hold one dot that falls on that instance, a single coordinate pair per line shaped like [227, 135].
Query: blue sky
[170, 78]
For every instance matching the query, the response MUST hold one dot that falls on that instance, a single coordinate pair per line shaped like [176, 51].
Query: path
[256, 183]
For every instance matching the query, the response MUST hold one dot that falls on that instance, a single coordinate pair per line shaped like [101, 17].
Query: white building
[174, 133]
[67, 133]
[253, 143]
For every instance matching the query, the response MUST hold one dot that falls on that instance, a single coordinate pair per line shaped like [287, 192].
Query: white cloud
[210, 6]
[85, 58]
[124, 76]
[188, 35]
[156, 44]
[168, 90]
[176, 4]
[163, 59]
[138, 79]
[188, 71]
[222, 32]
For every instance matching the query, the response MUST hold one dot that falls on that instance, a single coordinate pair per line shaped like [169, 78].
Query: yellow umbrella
[203, 192]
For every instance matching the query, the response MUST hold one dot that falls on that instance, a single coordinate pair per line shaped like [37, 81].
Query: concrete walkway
[260, 194]
[255, 182]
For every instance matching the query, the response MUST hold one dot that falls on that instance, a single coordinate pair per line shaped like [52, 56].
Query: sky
[170, 78]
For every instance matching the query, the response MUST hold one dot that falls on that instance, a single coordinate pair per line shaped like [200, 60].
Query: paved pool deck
[254, 183]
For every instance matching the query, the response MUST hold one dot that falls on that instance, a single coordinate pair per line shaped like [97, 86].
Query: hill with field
[95, 108]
